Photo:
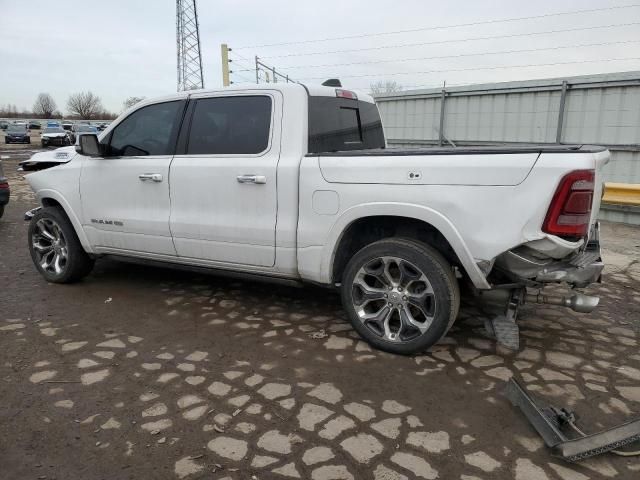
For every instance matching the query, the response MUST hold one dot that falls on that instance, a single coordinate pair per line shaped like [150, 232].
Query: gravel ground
[144, 372]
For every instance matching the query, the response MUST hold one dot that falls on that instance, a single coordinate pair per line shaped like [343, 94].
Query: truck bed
[466, 150]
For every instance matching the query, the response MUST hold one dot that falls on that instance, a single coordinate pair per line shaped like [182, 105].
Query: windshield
[53, 130]
[17, 128]
[85, 128]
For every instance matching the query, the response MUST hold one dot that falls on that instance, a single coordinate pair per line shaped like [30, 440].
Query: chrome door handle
[260, 179]
[156, 177]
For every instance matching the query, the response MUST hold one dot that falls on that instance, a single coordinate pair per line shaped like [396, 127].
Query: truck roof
[312, 90]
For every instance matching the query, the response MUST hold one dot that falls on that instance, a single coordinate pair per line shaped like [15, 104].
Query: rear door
[223, 178]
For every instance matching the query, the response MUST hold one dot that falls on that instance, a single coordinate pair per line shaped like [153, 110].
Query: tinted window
[337, 124]
[147, 131]
[17, 128]
[230, 125]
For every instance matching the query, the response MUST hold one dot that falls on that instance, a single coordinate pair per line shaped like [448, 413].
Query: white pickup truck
[294, 182]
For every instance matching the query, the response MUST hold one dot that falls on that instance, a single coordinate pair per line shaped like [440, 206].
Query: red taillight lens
[570, 209]
[4, 185]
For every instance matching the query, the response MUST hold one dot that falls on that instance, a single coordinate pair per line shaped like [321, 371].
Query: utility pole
[257, 71]
[224, 53]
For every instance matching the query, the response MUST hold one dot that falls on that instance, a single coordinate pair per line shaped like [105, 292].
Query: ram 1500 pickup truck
[295, 182]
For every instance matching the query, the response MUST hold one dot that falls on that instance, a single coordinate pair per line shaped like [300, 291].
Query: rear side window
[338, 124]
[230, 126]
[148, 131]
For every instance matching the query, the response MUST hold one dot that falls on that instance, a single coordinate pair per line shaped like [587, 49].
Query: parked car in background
[4, 191]
[82, 129]
[67, 125]
[102, 126]
[33, 125]
[55, 136]
[17, 133]
[3, 124]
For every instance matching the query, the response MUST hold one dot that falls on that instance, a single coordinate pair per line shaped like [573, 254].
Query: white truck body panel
[490, 169]
[484, 204]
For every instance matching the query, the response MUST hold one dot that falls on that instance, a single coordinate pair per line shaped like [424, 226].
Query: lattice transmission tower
[188, 43]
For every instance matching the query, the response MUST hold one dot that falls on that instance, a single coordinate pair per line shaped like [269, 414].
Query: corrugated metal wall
[598, 109]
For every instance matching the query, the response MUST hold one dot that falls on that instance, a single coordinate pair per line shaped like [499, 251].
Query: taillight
[4, 185]
[570, 209]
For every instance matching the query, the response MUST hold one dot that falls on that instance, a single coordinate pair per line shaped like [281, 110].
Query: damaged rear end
[566, 250]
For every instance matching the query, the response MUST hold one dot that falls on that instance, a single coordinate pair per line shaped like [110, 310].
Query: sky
[122, 48]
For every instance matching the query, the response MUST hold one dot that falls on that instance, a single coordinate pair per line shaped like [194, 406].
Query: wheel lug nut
[389, 303]
[404, 298]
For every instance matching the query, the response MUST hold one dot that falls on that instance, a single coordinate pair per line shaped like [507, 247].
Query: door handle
[156, 177]
[259, 179]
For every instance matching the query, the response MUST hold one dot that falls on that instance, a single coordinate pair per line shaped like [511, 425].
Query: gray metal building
[595, 109]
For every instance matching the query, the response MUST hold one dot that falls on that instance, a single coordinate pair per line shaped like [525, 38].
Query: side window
[230, 125]
[148, 131]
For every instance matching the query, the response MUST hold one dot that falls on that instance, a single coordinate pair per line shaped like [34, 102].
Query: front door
[223, 183]
[125, 194]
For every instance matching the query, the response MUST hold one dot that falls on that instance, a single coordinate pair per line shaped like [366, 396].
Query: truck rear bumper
[579, 269]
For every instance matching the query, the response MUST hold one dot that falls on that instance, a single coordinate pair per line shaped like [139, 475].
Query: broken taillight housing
[570, 209]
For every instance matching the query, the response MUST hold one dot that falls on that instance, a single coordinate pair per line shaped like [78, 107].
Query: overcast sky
[121, 48]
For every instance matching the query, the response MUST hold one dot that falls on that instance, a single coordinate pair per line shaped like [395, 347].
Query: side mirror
[88, 145]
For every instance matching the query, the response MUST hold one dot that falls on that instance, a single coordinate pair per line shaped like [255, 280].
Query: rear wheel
[401, 295]
[1, 210]
[55, 249]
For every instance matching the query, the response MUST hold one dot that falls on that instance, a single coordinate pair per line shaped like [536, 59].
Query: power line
[242, 77]
[478, 68]
[246, 67]
[236, 53]
[438, 42]
[499, 52]
[422, 29]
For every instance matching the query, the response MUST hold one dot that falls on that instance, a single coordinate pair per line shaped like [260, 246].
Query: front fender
[75, 221]
[425, 214]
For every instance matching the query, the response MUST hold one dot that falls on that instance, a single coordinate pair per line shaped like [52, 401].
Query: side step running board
[550, 422]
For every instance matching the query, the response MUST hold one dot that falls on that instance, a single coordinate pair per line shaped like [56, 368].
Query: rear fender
[425, 214]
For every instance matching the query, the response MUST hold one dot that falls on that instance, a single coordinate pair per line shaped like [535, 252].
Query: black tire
[77, 264]
[29, 140]
[1, 210]
[424, 267]
[43, 144]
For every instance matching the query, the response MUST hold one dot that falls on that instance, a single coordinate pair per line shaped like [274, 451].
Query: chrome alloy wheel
[394, 299]
[50, 246]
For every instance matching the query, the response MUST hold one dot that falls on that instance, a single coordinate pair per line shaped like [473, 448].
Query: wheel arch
[53, 198]
[358, 227]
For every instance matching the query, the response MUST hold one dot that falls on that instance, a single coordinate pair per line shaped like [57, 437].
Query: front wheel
[400, 295]
[55, 249]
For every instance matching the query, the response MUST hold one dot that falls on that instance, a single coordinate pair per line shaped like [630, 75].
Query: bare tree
[85, 105]
[383, 87]
[131, 101]
[44, 106]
